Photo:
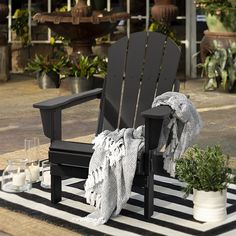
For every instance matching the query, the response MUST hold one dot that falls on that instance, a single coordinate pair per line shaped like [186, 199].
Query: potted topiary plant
[206, 172]
[79, 72]
[219, 67]
[47, 70]
[220, 14]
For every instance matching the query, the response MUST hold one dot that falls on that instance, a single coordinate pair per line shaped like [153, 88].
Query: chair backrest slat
[134, 69]
[114, 80]
[153, 60]
[169, 67]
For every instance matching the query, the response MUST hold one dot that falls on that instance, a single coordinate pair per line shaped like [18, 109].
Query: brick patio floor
[18, 120]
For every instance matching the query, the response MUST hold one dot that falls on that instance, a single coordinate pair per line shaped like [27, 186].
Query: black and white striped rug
[173, 214]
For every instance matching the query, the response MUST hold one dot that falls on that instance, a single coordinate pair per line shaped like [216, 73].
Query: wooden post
[4, 59]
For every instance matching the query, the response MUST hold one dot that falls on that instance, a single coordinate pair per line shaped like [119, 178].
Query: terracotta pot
[207, 42]
[164, 11]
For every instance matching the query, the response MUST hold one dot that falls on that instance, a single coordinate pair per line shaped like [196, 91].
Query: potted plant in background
[47, 70]
[220, 19]
[220, 14]
[207, 173]
[79, 72]
[220, 67]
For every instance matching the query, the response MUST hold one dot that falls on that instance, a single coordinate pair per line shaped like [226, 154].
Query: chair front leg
[55, 189]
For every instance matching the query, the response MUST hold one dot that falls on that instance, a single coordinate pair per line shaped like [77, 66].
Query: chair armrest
[158, 112]
[68, 101]
[50, 111]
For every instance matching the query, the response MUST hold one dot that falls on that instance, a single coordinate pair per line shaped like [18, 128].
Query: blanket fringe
[114, 152]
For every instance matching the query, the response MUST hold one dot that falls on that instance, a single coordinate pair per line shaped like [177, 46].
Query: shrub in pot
[207, 173]
[79, 72]
[220, 14]
[47, 70]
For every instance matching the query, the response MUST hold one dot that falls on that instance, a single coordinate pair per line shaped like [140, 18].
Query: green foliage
[205, 170]
[220, 67]
[44, 64]
[224, 10]
[164, 29]
[84, 66]
[216, 7]
[20, 25]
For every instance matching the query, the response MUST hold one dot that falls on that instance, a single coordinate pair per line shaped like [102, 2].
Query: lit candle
[34, 172]
[18, 179]
[47, 178]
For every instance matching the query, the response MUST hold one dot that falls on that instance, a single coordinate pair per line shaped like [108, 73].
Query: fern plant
[84, 67]
[206, 170]
[42, 64]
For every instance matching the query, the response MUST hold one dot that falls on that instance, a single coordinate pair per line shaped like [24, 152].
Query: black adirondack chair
[139, 68]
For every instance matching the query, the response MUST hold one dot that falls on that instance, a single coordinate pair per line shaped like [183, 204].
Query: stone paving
[18, 120]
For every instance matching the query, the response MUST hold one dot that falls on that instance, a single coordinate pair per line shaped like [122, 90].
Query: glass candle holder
[33, 171]
[32, 149]
[14, 177]
[46, 175]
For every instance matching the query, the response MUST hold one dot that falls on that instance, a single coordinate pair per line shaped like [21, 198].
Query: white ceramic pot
[209, 206]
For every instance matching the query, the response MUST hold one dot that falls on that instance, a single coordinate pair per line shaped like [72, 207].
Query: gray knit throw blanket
[113, 163]
[111, 172]
[180, 129]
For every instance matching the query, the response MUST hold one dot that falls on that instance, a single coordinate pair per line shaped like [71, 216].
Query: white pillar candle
[18, 179]
[34, 172]
[47, 178]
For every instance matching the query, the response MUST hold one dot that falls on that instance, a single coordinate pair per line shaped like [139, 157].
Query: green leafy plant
[216, 7]
[84, 66]
[220, 66]
[223, 10]
[20, 25]
[42, 64]
[164, 29]
[206, 170]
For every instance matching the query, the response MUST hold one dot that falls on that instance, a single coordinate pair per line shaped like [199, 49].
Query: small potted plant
[206, 172]
[79, 72]
[47, 70]
[219, 67]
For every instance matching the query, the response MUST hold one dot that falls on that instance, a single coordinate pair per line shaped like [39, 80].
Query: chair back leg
[149, 196]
